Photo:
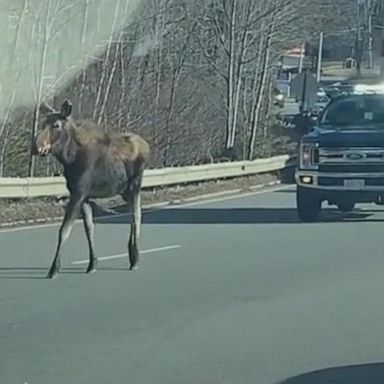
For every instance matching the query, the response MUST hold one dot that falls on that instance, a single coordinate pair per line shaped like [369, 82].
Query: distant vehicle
[338, 89]
[321, 92]
[320, 104]
[341, 160]
[278, 98]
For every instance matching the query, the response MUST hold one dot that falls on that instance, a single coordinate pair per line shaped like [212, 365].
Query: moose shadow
[239, 216]
[351, 374]
[32, 273]
[39, 273]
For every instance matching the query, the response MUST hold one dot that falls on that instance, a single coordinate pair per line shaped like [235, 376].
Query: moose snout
[44, 150]
[41, 150]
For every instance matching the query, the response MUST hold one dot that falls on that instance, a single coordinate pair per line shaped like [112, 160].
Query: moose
[96, 165]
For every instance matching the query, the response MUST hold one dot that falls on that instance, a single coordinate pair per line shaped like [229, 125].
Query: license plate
[354, 184]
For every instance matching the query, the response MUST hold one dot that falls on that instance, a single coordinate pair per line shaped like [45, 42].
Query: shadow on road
[352, 374]
[238, 216]
[22, 273]
[32, 273]
[291, 191]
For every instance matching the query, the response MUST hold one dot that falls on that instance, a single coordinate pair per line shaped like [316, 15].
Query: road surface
[228, 291]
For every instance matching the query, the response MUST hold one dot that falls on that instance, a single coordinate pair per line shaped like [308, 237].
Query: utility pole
[303, 106]
[320, 56]
[370, 34]
[358, 49]
[302, 54]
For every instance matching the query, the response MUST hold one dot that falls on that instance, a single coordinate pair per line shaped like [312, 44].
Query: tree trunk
[230, 136]
[268, 110]
[43, 63]
[370, 41]
[259, 98]
[110, 79]
[106, 62]
[171, 106]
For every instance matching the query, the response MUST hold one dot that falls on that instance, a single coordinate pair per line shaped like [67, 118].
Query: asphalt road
[232, 291]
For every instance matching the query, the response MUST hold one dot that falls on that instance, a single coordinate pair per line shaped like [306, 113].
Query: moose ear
[45, 108]
[66, 109]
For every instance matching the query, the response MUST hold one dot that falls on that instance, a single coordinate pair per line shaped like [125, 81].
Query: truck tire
[308, 204]
[346, 206]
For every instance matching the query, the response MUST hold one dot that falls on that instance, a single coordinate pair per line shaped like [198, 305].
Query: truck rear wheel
[308, 204]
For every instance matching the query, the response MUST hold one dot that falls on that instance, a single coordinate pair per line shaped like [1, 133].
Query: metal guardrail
[55, 186]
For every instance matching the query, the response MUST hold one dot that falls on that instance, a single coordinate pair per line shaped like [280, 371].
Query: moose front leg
[71, 212]
[89, 231]
[135, 229]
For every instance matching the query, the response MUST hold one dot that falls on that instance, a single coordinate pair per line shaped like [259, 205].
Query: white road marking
[122, 255]
[262, 191]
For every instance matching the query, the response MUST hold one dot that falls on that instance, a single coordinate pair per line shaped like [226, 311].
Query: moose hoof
[91, 269]
[52, 274]
[133, 267]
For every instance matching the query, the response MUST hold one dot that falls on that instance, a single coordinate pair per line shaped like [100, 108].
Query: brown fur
[127, 146]
[130, 147]
[86, 133]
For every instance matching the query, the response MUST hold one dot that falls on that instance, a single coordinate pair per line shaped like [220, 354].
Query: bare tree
[193, 77]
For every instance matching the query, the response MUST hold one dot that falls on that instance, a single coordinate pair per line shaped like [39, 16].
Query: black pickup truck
[341, 160]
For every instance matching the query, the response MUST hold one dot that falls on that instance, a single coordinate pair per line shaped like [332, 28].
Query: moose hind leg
[71, 212]
[135, 227]
[89, 228]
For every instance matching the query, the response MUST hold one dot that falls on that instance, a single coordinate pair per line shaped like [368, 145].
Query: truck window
[354, 110]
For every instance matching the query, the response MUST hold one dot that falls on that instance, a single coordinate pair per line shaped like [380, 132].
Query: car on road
[337, 89]
[321, 102]
[341, 160]
[321, 92]
[278, 97]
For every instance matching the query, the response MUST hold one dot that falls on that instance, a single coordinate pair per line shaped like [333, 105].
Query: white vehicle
[321, 92]
[321, 102]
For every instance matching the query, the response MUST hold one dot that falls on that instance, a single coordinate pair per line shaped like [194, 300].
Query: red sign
[296, 52]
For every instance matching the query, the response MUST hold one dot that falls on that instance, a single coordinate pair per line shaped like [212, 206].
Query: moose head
[54, 128]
